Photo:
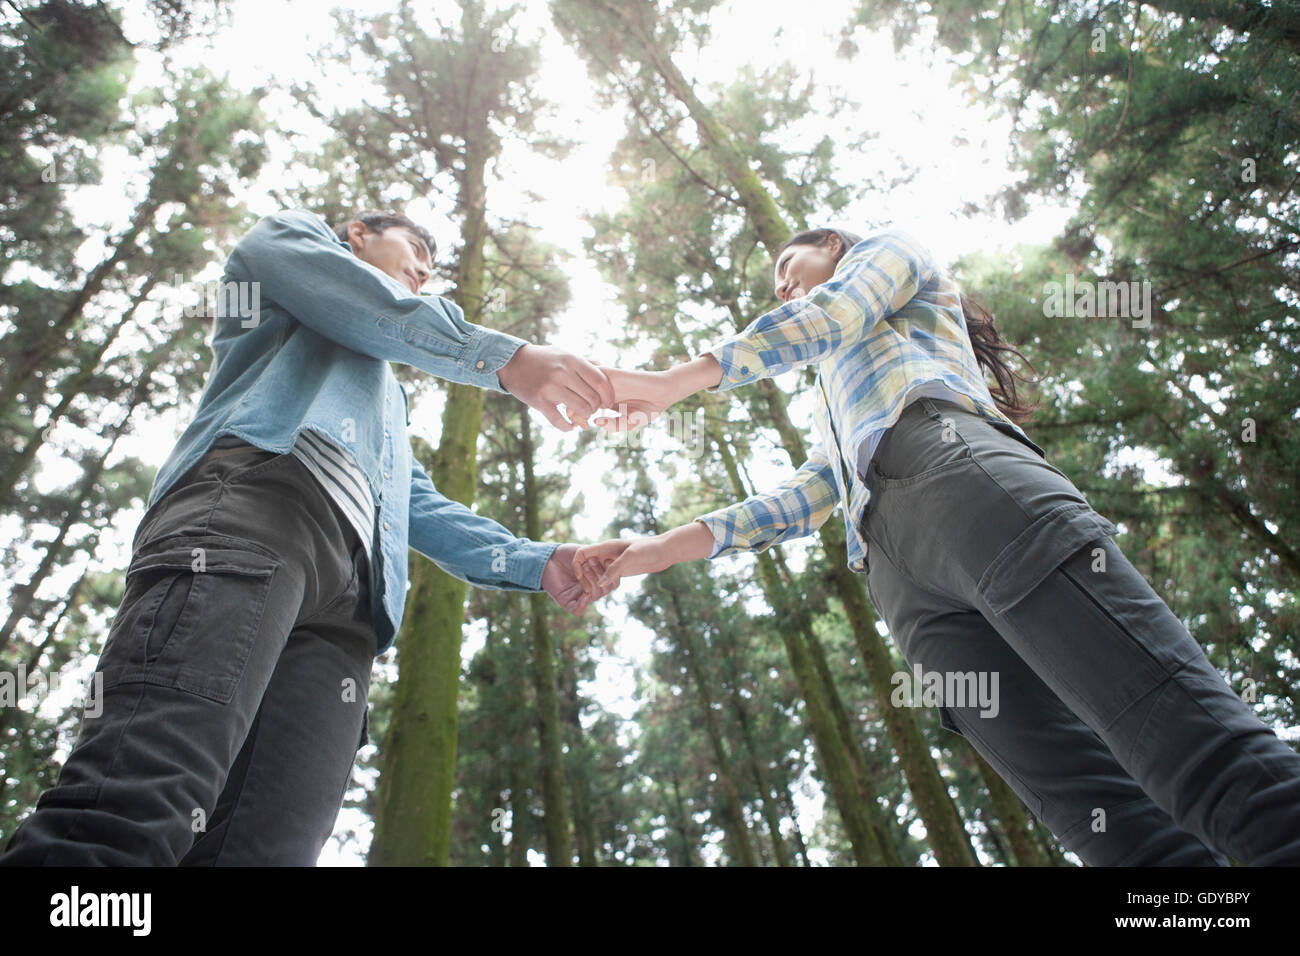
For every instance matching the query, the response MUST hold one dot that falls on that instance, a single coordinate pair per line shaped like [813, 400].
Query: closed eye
[422, 254]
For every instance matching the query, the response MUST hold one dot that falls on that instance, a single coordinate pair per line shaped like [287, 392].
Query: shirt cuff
[740, 364]
[715, 527]
[487, 353]
[527, 562]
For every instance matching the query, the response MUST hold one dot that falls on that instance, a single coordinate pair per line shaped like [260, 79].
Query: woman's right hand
[639, 397]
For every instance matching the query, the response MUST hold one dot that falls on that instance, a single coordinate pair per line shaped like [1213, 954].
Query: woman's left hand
[600, 567]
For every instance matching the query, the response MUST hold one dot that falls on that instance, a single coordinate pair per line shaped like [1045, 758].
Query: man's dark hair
[378, 221]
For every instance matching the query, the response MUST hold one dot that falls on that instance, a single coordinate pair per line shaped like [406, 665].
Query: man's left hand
[561, 583]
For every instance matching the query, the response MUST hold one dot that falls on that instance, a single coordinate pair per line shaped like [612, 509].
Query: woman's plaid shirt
[887, 322]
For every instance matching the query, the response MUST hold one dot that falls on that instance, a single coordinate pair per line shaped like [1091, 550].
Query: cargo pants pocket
[1036, 552]
[190, 615]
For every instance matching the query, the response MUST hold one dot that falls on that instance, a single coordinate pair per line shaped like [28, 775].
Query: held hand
[641, 397]
[560, 582]
[600, 567]
[591, 563]
[544, 377]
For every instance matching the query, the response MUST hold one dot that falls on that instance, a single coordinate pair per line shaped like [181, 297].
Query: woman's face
[800, 268]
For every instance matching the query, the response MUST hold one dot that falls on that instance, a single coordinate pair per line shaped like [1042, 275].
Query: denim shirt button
[480, 364]
[385, 525]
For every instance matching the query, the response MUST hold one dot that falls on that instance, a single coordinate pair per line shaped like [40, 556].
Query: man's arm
[299, 264]
[469, 546]
[876, 278]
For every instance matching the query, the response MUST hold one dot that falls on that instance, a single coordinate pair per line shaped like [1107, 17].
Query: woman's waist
[920, 404]
[924, 409]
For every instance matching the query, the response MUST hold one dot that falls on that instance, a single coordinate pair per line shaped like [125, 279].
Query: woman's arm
[797, 507]
[876, 278]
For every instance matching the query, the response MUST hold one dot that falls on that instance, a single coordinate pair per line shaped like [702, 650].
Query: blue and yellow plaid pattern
[888, 322]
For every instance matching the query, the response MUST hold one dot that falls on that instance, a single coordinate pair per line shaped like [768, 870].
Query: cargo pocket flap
[190, 553]
[191, 614]
[1024, 563]
[69, 795]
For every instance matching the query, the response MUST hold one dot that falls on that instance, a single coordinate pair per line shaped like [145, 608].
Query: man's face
[397, 251]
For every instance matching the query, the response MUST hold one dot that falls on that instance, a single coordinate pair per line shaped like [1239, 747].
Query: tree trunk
[413, 816]
[738, 833]
[1011, 814]
[559, 842]
[787, 803]
[584, 823]
[520, 814]
[683, 825]
[771, 814]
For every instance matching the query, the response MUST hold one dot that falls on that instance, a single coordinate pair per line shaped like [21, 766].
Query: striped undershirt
[340, 476]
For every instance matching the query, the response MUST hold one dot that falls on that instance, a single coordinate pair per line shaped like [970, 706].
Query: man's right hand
[544, 377]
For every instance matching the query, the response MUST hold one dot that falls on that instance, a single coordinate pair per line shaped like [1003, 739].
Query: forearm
[689, 542]
[797, 507]
[470, 546]
[700, 373]
[878, 278]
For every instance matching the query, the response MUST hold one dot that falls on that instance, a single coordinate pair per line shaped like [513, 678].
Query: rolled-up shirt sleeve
[875, 278]
[797, 507]
[296, 262]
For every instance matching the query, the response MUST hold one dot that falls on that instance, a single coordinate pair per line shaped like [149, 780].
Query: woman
[985, 562]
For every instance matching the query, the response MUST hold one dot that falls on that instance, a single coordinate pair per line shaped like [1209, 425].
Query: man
[270, 567]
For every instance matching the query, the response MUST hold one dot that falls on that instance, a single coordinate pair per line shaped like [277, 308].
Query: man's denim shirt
[310, 348]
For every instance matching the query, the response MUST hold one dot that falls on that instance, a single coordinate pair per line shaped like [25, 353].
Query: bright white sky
[959, 150]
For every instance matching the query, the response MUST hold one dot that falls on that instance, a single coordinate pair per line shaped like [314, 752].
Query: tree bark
[555, 801]
[413, 815]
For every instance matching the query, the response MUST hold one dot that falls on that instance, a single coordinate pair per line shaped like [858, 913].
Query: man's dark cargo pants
[234, 686]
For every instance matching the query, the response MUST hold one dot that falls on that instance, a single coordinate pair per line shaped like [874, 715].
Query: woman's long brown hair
[981, 329]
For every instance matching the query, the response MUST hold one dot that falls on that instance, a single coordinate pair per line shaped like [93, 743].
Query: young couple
[270, 567]
[983, 559]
